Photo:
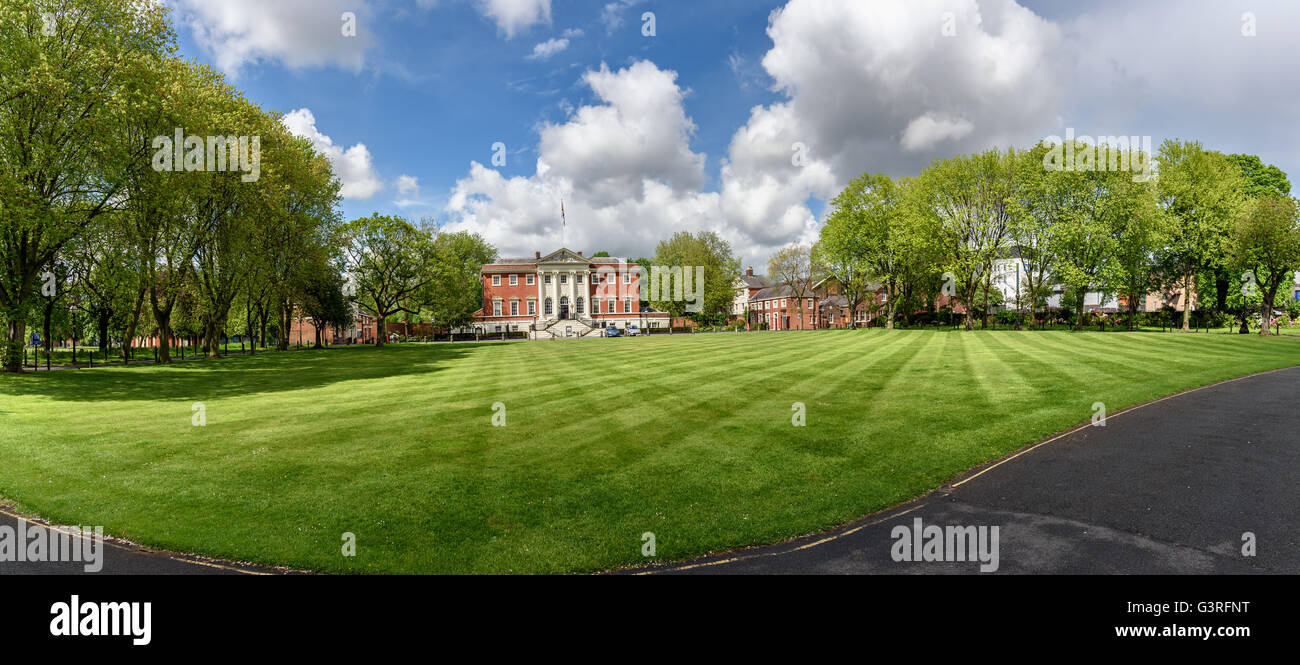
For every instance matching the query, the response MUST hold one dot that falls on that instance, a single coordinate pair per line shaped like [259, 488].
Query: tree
[323, 299]
[392, 262]
[1260, 180]
[1266, 242]
[971, 197]
[1140, 232]
[63, 98]
[456, 292]
[794, 268]
[1202, 192]
[872, 234]
[690, 251]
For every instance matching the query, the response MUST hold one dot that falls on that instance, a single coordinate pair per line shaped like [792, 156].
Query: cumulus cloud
[877, 86]
[408, 191]
[297, 33]
[515, 16]
[548, 48]
[353, 166]
[924, 131]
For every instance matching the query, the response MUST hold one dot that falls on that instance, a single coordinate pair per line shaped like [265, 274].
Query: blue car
[633, 330]
[612, 331]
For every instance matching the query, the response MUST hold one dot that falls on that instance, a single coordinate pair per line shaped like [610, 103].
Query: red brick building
[562, 294]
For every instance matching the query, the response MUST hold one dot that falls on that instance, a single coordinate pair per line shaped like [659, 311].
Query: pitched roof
[778, 291]
[755, 281]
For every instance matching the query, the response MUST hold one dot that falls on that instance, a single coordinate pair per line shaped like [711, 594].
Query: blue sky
[696, 127]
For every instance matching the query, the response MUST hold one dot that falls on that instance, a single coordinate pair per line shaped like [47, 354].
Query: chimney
[537, 255]
[749, 272]
[579, 253]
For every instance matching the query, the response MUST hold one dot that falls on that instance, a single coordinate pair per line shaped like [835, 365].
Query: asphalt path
[1206, 481]
[81, 554]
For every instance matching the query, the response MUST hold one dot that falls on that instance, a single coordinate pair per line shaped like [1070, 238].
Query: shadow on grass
[235, 375]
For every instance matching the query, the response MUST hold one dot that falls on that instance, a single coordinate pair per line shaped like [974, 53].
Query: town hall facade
[563, 294]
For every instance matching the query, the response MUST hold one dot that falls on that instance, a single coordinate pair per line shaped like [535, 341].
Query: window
[595, 306]
[579, 304]
[564, 278]
[496, 308]
[496, 280]
[577, 279]
[627, 278]
[613, 305]
[530, 280]
[627, 305]
[514, 308]
[514, 280]
[548, 309]
[532, 308]
[498, 329]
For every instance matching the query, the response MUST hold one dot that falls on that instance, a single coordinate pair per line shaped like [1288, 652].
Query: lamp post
[1020, 312]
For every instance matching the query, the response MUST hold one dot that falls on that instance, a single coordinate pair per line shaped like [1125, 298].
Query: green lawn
[687, 436]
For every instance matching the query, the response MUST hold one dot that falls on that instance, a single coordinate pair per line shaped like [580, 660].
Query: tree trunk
[1266, 313]
[381, 331]
[212, 336]
[48, 321]
[1187, 302]
[131, 327]
[164, 340]
[103, 316]
[16, 331]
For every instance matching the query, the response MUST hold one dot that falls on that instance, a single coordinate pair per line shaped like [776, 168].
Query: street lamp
[1020, 312]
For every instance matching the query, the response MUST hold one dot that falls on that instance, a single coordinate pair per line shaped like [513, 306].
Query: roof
[778, 291]
[755, 281]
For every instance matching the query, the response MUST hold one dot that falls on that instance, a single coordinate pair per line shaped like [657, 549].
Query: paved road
[1169, 487]
[117, 558]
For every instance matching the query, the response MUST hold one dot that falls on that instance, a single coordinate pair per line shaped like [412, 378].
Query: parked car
[612, 331]
[633, 330]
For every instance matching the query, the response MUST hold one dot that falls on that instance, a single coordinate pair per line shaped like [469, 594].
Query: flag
[562, 220]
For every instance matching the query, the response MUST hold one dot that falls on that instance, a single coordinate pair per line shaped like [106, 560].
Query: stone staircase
[566, 329]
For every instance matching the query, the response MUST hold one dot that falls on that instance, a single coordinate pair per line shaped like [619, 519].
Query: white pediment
[564, 255]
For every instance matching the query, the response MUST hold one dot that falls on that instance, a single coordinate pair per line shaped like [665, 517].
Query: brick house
[562, 294]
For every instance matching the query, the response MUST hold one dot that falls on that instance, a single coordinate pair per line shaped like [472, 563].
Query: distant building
[562, 294]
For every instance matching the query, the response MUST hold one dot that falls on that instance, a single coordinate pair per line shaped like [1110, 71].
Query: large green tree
[456, 292]
[392, 262]
[690, 251]
[1266, 242]
[63, 99]
[1202, 192]
[971, 196]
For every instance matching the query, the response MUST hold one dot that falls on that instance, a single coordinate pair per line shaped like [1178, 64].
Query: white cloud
[408, 191]
[611, 15]
[297, 33]
[876, 86]
[353, 165]
[924, 131]
[548, 48]
[516, 16]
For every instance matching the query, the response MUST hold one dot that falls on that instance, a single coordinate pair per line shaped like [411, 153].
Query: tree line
[1223, 227]
[142, 195]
